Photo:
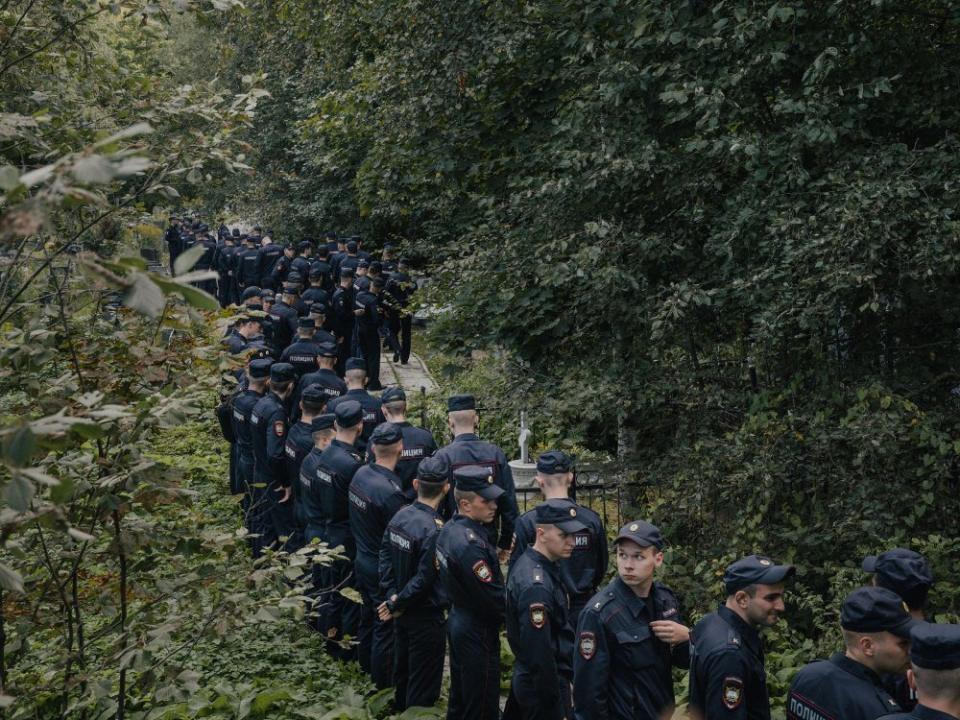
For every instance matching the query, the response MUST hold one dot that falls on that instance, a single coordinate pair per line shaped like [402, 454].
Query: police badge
[538, 615]
[587, 645]
[483, 571]
[732, 692]
[279, 428]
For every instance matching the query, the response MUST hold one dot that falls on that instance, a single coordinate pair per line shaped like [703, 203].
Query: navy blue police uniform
[841, 687]
[324, 377]
[344, 299]
[368, 335]
[933, 647]
[418, 443]
[468, 449]
[400, 287]
[298, 445]
[727, 675]
[584, 570]
[335, 470]
[538, 626]
[272, 519]
[267, 257]
[310, 508]
[622, 671]
[245, 264]
[473, 583]
[372, 408]
[243, 404]
[286, 321]
[304, 351]
[414, 594]
[375, 497]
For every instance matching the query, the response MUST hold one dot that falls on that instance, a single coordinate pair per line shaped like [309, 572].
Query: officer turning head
[934, 672]
[876, 636]
[727, 677]
[631, 634]
[538, 625]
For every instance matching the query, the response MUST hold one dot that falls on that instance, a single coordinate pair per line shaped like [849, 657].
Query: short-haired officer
[323, 375]
[630, 635]
[298, 445]
[303, 352]
[583, 571]
[375, 496]
[415, 601]
[934, 672]
[270, 507]
[322, 431]
[335, 470]
[876, 635]
[258, 371]
[468, 449]
[418, 442]
[727, 677]
[908, 574]
[538, 624]
[471, 577]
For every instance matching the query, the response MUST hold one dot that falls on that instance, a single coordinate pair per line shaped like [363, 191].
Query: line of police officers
[427, 531]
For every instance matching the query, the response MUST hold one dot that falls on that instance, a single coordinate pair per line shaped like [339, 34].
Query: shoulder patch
[439, 522]
[587, 645]
[732, 694]
[600, 602]
[538, 615]
[279, 428]
[538, 576]
[483, 571]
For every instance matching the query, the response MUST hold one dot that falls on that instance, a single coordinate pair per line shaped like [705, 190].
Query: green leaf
[18, 492]
[188, 259]
[19, 446]
[93, 170]
[128, 132]
[192, 295]
[9, 177]
[144, 296]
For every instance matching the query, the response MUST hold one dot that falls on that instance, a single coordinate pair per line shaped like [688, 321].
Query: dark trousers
[344, 351]
[235, 487]
[369, 342]
[259, 514]
[375, 636]
[281, 517]
[404, 334]
[474, 668]
[341, 615]
[420, 640]
[244, 484]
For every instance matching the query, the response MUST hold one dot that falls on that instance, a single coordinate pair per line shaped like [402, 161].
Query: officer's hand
[287, 493]
[383, 612]
[670, 632]
[503, 555]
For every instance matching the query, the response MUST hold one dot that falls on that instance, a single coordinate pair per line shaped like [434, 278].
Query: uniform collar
[389, 474]
[856, 669]
[342, 444]
[357, 391]
[922, 712]
[424, 507]
[635, 604]
[466, 436]
[749, 634]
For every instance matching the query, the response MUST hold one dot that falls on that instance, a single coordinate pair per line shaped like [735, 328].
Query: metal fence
[612, 501]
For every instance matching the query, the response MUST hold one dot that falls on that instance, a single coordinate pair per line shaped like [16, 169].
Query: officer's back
[335, 470]
[356, 377]
[935, 669]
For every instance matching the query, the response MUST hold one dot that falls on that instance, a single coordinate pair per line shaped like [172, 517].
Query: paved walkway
[411, 377]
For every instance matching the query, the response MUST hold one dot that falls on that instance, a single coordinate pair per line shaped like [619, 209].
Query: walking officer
[356, 378]
[245, 265]
[369, 320]
[375, 497]
[583, 571]
[298, 445]
[323, 375]
[303, 352]
[727, 677]
[335, 470]
[538, 624]
[876, 636]
[934, 672]
[271, 508]
[344, 300]
[630, 636]
[243, 403]
[470, 572]
[415, 601]
[468, 449]
[418, 443]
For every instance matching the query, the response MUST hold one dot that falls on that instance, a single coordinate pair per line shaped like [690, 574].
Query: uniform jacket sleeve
[275, 446]
[507, 505]
[591, 671]
[725, 671]
[488, 594]
[388, 581]
[420, 585]
[534, 648]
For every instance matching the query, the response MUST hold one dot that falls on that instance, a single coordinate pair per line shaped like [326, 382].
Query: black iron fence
[611, 500]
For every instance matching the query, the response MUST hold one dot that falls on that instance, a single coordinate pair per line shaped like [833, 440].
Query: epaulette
[439, 522]
[472, 537]
[538, 575]
[602, 601]
[733, 638]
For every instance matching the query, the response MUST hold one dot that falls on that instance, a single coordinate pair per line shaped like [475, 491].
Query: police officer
[243, 403]
[335, 470]
[323, 375]
[286, 319]
[538, 625]
[316, 293]
[267, 258]
[344, 301]
[361, 280]
[415, 601]
[400, 287]
[271, 508]
[470, 572]
[375, 496]
[247, 327]
[387, 261]
[418, 443]
[934, 672]
[318, 313]
[908, 574]
[223, 263]
[245, 264]
[299, 443]
[304, 351]
[350, 260]
[727, 677]
[876, 636]
[468, 449]
[368, 331]
[356, 379]
[629, 637]
[172, 237]
[583, 571]
[281, 269]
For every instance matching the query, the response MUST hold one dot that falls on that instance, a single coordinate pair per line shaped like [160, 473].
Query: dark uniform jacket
[372, 413]
[284, 325]
[267, 257]
[335, 470]
[245, 262]
[325, 378]
[539, 633]
[838, 689]
[343, 318]
[310, 493]
[470, 572]
[621, 670]
[727, 677]
[302, 354]
[298, 445]
[408, 562]
[583, 571]
[921, 712]
[243, 404]
[468, 449]
[268, 430]
[418, 443]
[375, 497]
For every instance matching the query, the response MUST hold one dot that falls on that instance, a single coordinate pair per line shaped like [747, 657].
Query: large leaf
[10, 579]
[144, 296]
[188, 259]
[192, 295]
[128, 132]
[18, 492]
[18, 446]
